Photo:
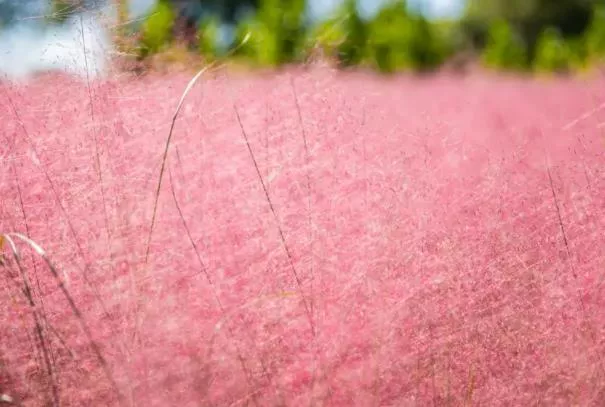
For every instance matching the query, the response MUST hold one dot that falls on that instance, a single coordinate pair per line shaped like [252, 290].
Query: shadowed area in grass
[446, 234]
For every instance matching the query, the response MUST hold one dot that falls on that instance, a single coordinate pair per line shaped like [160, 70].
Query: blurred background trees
[504, 47]
[520, 35]
[552, 32]
[282, 32]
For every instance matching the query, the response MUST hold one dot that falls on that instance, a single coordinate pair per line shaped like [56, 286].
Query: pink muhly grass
[444, 241]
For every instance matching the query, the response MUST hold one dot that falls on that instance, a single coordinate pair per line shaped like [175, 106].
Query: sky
[81, 47]
[319, 8]
[432, 8]
[25, 49]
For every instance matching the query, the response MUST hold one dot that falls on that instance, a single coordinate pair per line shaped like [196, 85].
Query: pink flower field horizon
[354, 241]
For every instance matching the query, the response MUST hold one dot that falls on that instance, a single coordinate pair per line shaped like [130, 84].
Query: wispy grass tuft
[14, 250]
[415, 218]
[188, 88]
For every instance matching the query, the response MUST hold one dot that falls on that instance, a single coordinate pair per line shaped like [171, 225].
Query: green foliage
[553, 53]
[208, 39]
[546, 35]
[351, 51]
[595, 35]
[504, 48]
[262, 47]
[578, 52]
[390, 37]
[398, 40]
[285, 19]
[277, 32]
[246, 26]
[327, 36]
[429, 46]
[344, 36]
[157, 28]
[529, 17]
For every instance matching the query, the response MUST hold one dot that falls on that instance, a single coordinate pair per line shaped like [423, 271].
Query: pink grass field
[445, 236]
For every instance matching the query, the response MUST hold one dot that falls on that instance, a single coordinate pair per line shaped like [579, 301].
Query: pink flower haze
[366, 241]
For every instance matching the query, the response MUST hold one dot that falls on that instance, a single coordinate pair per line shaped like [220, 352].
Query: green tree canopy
[531, 17]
